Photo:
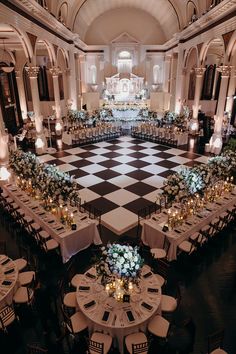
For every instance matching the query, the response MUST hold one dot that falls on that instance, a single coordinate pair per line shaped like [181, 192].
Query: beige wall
[137, 23]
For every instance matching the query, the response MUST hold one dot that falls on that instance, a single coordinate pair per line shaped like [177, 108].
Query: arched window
[191, 12]
[62, 14]
[124, 62]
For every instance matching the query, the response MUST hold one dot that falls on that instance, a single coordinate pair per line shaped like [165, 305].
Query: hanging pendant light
[7, 69]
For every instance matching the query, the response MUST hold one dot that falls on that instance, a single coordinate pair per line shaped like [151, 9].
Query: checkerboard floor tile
[121, 176]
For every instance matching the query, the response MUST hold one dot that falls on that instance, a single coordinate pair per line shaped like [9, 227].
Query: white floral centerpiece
[119, 267]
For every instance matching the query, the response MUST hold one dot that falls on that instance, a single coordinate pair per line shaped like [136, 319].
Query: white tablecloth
[118, 325]
[67, 138]
[153, 236]
[127, 113]
[182, 138]
[71, 242]
[8, 282]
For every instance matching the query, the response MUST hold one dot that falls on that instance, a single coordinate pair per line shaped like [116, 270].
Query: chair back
[166, 245]
[96, 347]
[6, 313]
[67, 320]
[36, 349]
[215, 340]
[140, 348]
[163, 267]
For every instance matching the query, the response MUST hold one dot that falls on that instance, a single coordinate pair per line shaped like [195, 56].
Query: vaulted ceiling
[167, 15]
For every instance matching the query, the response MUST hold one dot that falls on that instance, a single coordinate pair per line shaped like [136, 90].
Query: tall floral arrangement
[47, 179]
[122, 261]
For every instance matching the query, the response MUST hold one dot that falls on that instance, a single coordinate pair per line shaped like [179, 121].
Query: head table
[8, 280]
[153, 235]
[70, 241]
[96, 304]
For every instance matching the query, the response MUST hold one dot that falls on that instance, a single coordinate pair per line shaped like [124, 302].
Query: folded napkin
[84, 288]
[199, 216]
[147, 275]
[6, 261]
[83, 218]
[105, 316]
[147, 306]
[6, 282]
[154, 218]
[89, 304]
[130, 316]
[188, 223]
[152, 290]
[91, 276]
[9, 271]
[178, 232]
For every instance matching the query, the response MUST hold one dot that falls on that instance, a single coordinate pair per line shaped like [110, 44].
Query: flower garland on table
[121, 261]
[189, 181]
[174, 188]
[48, 180]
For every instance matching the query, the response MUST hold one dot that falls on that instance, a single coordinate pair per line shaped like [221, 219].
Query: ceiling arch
[165, 12]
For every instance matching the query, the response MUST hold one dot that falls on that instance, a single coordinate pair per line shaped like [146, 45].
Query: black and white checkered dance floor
[121, 176]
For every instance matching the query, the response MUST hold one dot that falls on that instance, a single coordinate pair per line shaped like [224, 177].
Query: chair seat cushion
[168, 303]
[135, 338]
[218, 351]
[69, 299]
[51, 244]
[21, 263]
[76, 280]
[102, 338]
[159, 326]
[194, 236]
[185, 246]
[25, 278]
[160, 279]
[158, 253]
[78, 322]
[44, 234]
[21, 295]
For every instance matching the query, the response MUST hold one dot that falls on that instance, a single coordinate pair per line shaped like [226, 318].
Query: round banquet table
[8, 280]
[93, 301]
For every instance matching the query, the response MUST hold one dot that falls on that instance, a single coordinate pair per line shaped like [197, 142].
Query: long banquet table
[93, 301]
[153, 235]
[124, 114]
[71, 242]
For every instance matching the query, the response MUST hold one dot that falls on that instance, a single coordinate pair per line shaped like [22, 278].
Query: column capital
[18, 74]
[55, 71]
[225, 70]
[199, 71]
[32, 71]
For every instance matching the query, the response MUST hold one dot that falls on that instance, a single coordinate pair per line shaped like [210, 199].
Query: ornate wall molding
[224, 70]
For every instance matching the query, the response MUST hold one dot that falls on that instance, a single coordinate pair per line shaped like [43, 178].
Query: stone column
[173, 81]
[167, 67]
[72, 78]
[231, 91]
[216, 139]
[40, 142]
[55, 71]
[193, 124]
[4, 153]
[198, 90]
[21, 92]
[2, 124]
[180, 90]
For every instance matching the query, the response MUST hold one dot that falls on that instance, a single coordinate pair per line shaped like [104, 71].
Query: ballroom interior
[117, 176]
